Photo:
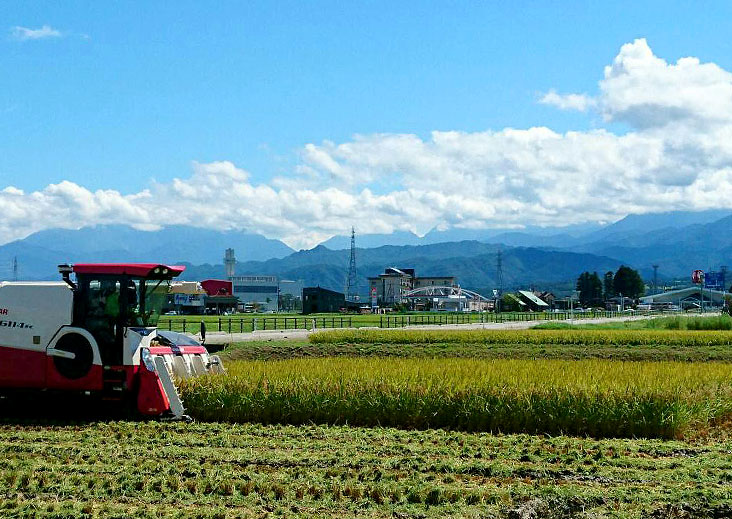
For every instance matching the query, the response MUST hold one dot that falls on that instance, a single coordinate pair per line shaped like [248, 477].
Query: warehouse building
[260, 293]
[321, 300]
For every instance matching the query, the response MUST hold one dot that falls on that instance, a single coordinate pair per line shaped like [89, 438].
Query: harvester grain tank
[98, 334]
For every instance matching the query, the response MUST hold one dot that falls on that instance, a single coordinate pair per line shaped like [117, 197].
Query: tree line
[594, 291]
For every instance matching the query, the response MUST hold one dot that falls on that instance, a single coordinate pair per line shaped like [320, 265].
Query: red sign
[697, 276]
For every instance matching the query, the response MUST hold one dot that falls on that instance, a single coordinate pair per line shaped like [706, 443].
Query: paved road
[301, 335]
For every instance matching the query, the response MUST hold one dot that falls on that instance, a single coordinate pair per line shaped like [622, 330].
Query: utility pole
[655, 279]
[723, 269]
[15, 268]
[351, 289]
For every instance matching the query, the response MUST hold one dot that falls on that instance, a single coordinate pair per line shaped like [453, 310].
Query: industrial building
[391, 286]
[259, 293]
[319, 300]
[685, 298]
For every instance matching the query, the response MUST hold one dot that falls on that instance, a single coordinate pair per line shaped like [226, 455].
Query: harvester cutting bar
[179, 362]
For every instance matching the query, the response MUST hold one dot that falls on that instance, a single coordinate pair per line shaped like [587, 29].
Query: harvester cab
[98, 333]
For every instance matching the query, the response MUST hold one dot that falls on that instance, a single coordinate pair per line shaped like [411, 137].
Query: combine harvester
[97, 335]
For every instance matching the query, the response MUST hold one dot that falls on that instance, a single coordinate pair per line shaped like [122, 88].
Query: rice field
[590, 397]
[584, 337]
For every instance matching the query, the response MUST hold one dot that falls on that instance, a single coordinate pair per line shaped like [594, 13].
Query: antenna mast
[351, 289]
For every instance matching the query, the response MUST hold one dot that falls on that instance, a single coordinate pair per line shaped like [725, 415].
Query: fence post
[219, 323]
[254, 324]
[229, 325]
[184, 326]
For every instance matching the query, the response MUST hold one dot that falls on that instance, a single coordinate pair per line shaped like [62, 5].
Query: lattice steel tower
[499, 272]
[351, 288]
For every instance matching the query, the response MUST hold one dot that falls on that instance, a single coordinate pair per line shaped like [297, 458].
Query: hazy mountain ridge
[39, 253]
[471, 262]
[678, 242]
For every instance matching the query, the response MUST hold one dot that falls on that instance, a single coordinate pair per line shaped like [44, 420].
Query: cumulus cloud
[25, 33]
[677, 154]
[645, 91]
[579, 102]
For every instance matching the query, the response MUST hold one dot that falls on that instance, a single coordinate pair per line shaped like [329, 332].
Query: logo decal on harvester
[15, 324]
[3, 311]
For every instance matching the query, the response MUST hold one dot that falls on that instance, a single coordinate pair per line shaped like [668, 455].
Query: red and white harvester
[98, 335]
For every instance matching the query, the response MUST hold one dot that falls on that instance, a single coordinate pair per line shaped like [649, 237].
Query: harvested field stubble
[223, 471]
[590, 397]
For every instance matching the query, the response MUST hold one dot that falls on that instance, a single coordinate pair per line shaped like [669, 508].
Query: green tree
[628, 283]
[607, 283]
[590, 289]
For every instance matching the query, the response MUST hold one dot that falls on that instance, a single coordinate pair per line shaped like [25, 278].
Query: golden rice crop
[548, 337]
[590, 397]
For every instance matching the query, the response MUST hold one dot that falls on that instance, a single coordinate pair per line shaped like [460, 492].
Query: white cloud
[677, 155]
[579, 102]
[24, 33]
[645, 91]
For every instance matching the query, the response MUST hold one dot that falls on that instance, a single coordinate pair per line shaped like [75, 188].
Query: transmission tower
[499, 272]
[351, 289]
[655, 279]
[15, 268]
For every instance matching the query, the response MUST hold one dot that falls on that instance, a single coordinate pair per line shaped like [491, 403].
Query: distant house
[547, 297]
[532, 302]
[512, 303]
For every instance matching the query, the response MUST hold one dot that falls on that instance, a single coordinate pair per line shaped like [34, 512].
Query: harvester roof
[130, 269]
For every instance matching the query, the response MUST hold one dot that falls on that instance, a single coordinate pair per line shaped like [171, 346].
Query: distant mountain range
[40, 253]
[676, 241]
[473, 263]
[552, 237]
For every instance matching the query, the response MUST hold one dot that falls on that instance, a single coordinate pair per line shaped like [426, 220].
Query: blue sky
[133, 91]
